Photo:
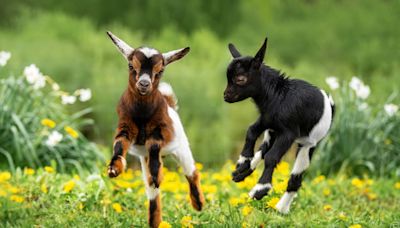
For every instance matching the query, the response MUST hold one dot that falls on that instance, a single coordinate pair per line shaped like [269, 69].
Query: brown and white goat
[149, 125]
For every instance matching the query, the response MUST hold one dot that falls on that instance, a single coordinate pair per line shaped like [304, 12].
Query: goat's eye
[241, 80]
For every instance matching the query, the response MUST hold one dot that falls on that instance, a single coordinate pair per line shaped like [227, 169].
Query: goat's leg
[153, 195]
[186, 161]
[126, 133]
[269, 138]
[271, 159]
[301, 163]
[154, 178]
[243, 168]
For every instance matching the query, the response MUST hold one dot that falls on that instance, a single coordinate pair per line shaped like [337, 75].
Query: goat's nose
[144, 83]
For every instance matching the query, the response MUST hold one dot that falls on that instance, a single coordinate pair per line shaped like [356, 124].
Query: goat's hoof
[259, 191]
[241, 176]
[112, 172]
[116, 167]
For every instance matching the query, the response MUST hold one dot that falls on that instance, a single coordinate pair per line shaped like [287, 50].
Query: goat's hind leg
[186, 161]
[301, 163]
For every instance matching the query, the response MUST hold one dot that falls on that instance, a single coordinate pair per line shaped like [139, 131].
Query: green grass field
[44, 198]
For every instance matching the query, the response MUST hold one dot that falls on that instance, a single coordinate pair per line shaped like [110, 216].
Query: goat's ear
[123, 47]
[234, 52]
[259, 57]
[174, 55]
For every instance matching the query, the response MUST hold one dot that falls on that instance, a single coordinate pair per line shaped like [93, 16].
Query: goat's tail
[169, 95]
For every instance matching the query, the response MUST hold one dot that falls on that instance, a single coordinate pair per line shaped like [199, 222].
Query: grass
[48, 199]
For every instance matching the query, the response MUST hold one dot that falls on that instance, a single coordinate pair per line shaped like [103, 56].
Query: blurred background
[308, 39]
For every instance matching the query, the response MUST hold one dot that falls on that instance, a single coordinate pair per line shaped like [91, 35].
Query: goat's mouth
[143, 91]
[231, 99]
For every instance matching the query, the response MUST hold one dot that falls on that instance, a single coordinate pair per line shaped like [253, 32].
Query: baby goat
[149, 125]
[291, 111]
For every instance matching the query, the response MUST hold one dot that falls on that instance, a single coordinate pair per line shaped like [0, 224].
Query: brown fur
[196, 194]
[155, 213]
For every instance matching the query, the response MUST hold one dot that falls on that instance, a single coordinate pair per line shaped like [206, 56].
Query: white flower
[54, 138]
[363, 106]
[34, 76]
[363, 92]
[55, 87]
[66, 99]
[355, 83]
[84, 94]
[332, 82]
[4, 57]
[391, 109]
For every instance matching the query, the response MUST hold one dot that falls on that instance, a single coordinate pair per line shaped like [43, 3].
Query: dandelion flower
[117, 207]
[84, 94]
[17, 198]
[69, 186]
[355, 226]
[43, 188]
[49, 169]
[54, 138]
[272, 202]
[357, 182]
[164, 224]
[246, 210]
[391, 109]
[5, 176]
[318, 179]
[372, 196]
[4, 57]
[186, 221]
[326, 192]
[342, 216]
[81, 206]
[332, 82]
[199, 166]
[3, 193]
[327, 207]
[48, 123]
[397, 185]
[74, 134]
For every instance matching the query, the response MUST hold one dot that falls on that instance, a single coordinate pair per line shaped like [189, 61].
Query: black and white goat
[291, 111]
[149, 125]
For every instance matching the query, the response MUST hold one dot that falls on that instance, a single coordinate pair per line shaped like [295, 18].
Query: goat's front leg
[243, 166]
[281, 145]
[126, 133]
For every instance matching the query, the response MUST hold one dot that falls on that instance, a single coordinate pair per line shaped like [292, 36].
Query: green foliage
[27, 126]
[363, 139]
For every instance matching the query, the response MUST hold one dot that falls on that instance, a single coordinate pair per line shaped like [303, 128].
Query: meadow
[46, 198]
[61, 78]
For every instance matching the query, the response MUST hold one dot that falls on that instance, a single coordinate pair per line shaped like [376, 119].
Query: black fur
[154, 163]
[117, 151]
[289, 107]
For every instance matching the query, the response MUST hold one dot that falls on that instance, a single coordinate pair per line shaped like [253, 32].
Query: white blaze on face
[145, 77]
[148, 52]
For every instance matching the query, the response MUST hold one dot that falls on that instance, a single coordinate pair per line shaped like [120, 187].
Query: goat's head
[243, 74]
[146, 65]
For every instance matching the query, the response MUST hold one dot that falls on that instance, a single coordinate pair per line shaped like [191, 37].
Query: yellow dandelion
[283, 168]
[49, 169]
[234, 201]
[246, 210]
[117, 207]
[17, 198]
[14, 190]
[326, 191]
[77, 177]
[209, 188]
[74, 134]
[81, 206]
[48, 123]
[280, 187]
[272, 202]
[43, 188]
[372, 196]
[199, 166]
[146, 204]
[164, 224]
[69, 186]
[397, 185]
[342, 216]
[318, 179]
[327, 207]
[29, 171]
[245, 225]
[357, 182]
[5, 176]
[186, 221]
[105, 201]
[2, 193]
[355, 226]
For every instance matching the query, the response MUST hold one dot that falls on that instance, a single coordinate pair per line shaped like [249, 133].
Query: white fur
[123, 160]
[148, 52]
[178, 147]
[320, 130]
[302, 160]
[259, 187]
[267, 136]
[123, 47]
[256, 160]
[145, 77]
[165, 89]
[243, 159]
[284, 203]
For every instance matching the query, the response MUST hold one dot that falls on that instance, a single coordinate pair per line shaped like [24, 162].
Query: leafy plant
[36, 128]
